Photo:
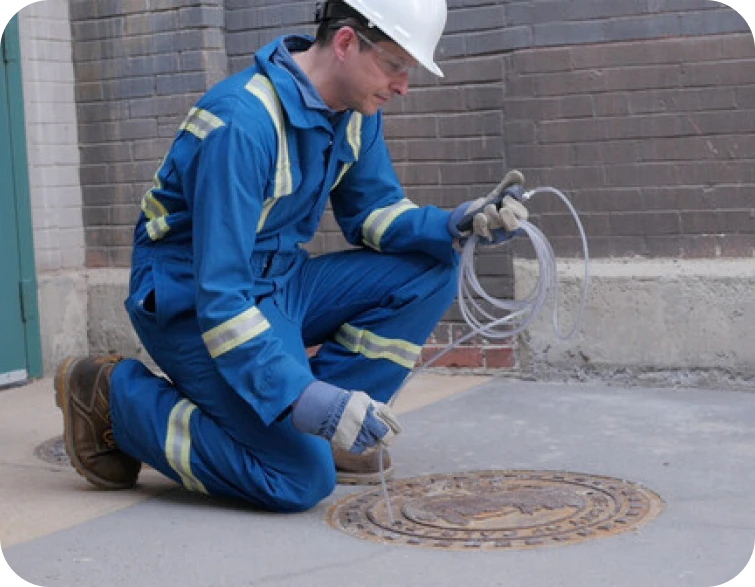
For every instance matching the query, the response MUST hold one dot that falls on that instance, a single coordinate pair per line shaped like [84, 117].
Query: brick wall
[650, 138]
[140, 65]
[638, 110]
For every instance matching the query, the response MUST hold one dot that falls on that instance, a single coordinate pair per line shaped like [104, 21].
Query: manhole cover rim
[355, 514]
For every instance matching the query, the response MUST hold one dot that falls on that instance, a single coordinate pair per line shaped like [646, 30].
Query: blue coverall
[226, 301]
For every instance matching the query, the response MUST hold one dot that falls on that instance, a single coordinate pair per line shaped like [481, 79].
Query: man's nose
[400, 85]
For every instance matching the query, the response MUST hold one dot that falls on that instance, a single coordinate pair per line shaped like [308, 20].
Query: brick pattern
[475, 353]
[140, 65]
[639, 110]
[52, 150]
[650, 139]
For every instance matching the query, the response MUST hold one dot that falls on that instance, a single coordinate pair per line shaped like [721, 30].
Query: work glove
[493, 219]
[350, 420]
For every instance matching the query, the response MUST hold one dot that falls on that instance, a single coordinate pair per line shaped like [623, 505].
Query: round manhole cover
[53, 451]
[485, 510]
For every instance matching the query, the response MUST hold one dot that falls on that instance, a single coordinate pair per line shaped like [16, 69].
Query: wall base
[647, 323]
[654, 322]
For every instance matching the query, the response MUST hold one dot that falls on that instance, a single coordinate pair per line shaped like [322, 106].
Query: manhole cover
[485, 510]
[53, 451]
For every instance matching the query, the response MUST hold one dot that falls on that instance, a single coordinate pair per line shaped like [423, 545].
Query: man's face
[376, 74]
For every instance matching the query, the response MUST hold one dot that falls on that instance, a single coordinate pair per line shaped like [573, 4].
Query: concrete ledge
[672, 322]
[63, 319]
[82, 313]
[110, 329]
[647, 322]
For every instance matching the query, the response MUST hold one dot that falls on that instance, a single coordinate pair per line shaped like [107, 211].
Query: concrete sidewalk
[37, 498]
[695, 448]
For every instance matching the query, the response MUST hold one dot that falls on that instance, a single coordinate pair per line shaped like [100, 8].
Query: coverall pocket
[174, 292]
[142, 298]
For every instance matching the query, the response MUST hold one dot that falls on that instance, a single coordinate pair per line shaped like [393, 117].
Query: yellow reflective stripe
[151, 206]
[354, 133]
[235, 332]
[379, 220]
[158, 228]
[153, 209]
[200, 123]
[372, 346]
[263, 89]
[354, 136]
[341, 174]
[178, 445]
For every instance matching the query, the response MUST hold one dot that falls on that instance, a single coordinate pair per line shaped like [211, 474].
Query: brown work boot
[82, 392]
[364, 469]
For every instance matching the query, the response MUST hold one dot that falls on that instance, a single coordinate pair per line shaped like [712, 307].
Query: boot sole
[63, 401]
[349, 478]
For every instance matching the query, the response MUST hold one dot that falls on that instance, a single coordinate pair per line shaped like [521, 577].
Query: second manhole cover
[483, 510]
[53, 451]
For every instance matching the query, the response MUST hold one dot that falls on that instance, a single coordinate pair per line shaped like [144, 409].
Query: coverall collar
[303, 105]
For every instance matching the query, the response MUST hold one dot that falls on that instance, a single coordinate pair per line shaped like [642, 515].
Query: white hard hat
[414, 25]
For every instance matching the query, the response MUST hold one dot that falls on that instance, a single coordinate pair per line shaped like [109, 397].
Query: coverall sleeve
[227, 179]
[371, 208]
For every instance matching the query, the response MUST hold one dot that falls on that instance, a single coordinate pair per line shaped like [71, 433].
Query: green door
[19, 338]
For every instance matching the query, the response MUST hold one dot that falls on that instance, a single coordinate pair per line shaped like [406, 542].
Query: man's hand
[493, 219]
[348, 419]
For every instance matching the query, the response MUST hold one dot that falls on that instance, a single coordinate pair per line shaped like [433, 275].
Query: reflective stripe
[200, 123]
[158, 228]
[373, 346]
[178, 445]
[354, 133]
[263, 89]
[235, 332]
[344, 169]
[354, 136]
[153, 209]
[150, 205]
[378, 222]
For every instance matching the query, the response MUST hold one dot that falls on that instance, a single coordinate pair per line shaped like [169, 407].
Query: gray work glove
[350, 420]
[494, 220]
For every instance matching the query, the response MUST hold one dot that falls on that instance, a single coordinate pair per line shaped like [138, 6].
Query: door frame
[11, 54]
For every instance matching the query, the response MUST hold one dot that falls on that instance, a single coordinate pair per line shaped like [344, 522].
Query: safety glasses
[392, 65]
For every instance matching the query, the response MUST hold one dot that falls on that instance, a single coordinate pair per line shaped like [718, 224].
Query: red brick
[499, 358]
[457, 358]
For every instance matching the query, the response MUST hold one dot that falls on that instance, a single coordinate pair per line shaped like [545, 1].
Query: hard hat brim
[433, 68]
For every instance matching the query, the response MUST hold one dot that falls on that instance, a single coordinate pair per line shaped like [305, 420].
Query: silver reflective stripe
[178, 445]
[200, 123]
[263, 89]
[372, 346]
[380, 220]
[235, 332]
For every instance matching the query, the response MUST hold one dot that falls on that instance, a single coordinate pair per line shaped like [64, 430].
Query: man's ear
[344, 40]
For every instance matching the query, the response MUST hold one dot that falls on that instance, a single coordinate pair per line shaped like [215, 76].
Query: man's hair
[336, 14]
